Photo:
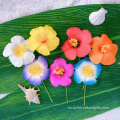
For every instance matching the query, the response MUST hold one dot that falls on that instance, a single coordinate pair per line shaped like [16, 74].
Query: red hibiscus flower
[78, 43]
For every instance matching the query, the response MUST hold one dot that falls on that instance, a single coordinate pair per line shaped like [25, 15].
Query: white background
[11, 9]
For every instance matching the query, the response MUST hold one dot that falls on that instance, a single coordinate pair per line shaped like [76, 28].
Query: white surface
[3, 95]
[11, 9]
[110, 115]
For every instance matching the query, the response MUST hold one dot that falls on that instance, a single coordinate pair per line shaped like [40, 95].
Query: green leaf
[105, 93]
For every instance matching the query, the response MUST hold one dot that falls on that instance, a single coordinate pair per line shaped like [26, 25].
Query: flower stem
[66, 95]
[47, 92]
[84, 93]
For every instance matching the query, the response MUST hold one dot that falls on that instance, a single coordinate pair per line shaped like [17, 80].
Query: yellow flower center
[59, 70]
[35, 69]
[19, 50]
[104, 48]
[74, 42]
[88, 71]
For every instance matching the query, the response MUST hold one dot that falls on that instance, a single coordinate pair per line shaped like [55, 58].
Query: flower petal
[52, 43]
[8, 50]
[35, 80]
[43, 49]
[26, 75]
[87, 59]
[17, 39]
[34, 61]
[83, 50]
[70, 53]
[66, 45]
[106, 40]
[42, 60]
[69, 70]
[27, 48]
[86, 36]
[60, 61]
[65, 81]
[16, 61]
[73, 32]
[108, 58]
[36, 31]
[95, 56]
[77, 77]
[32, 43]
[77, 65]
[113, 49]
[28, 57]
[52, 67]
[55, 79]
[50, 31]
[89, 81]
[98, 70]
[44, 75]
[96, 43]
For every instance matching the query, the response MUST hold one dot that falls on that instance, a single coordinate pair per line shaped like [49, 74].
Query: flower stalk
[47, 91]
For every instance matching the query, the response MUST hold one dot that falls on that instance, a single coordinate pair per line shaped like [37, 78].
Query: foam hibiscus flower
[86, 72]
[103, 50]
[78, 43]
[60, 72]
[36, 71]
[18, 52]
[43, 40]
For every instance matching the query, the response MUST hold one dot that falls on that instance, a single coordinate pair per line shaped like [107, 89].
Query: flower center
[59, 70]
[44, 41]
[104, 48]
[87, 70]
[19, 50]
[35, 69]
[74, 42]
[41, 39]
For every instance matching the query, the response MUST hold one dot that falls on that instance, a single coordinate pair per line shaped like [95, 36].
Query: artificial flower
[18, 52]
[43, 40]
[60, 72]
[36, 71]
[78, 43]
[86, 72]
[103, 50]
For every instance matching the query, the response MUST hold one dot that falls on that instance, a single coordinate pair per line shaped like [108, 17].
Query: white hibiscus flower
[18, 51]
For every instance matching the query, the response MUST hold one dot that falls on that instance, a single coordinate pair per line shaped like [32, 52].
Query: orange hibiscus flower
[103, 50]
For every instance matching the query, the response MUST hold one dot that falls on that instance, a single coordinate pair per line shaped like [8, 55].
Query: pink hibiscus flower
[60, 72]
[78, 43]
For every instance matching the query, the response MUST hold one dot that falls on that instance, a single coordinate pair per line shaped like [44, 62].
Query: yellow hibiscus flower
[43, 40]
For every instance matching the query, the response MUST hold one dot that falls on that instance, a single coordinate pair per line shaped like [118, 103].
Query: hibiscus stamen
[74, 42]
[59, 70]
[104, 48]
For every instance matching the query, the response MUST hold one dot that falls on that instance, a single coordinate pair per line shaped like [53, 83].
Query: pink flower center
[104, 48]
[59, 70]
[74, 42]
